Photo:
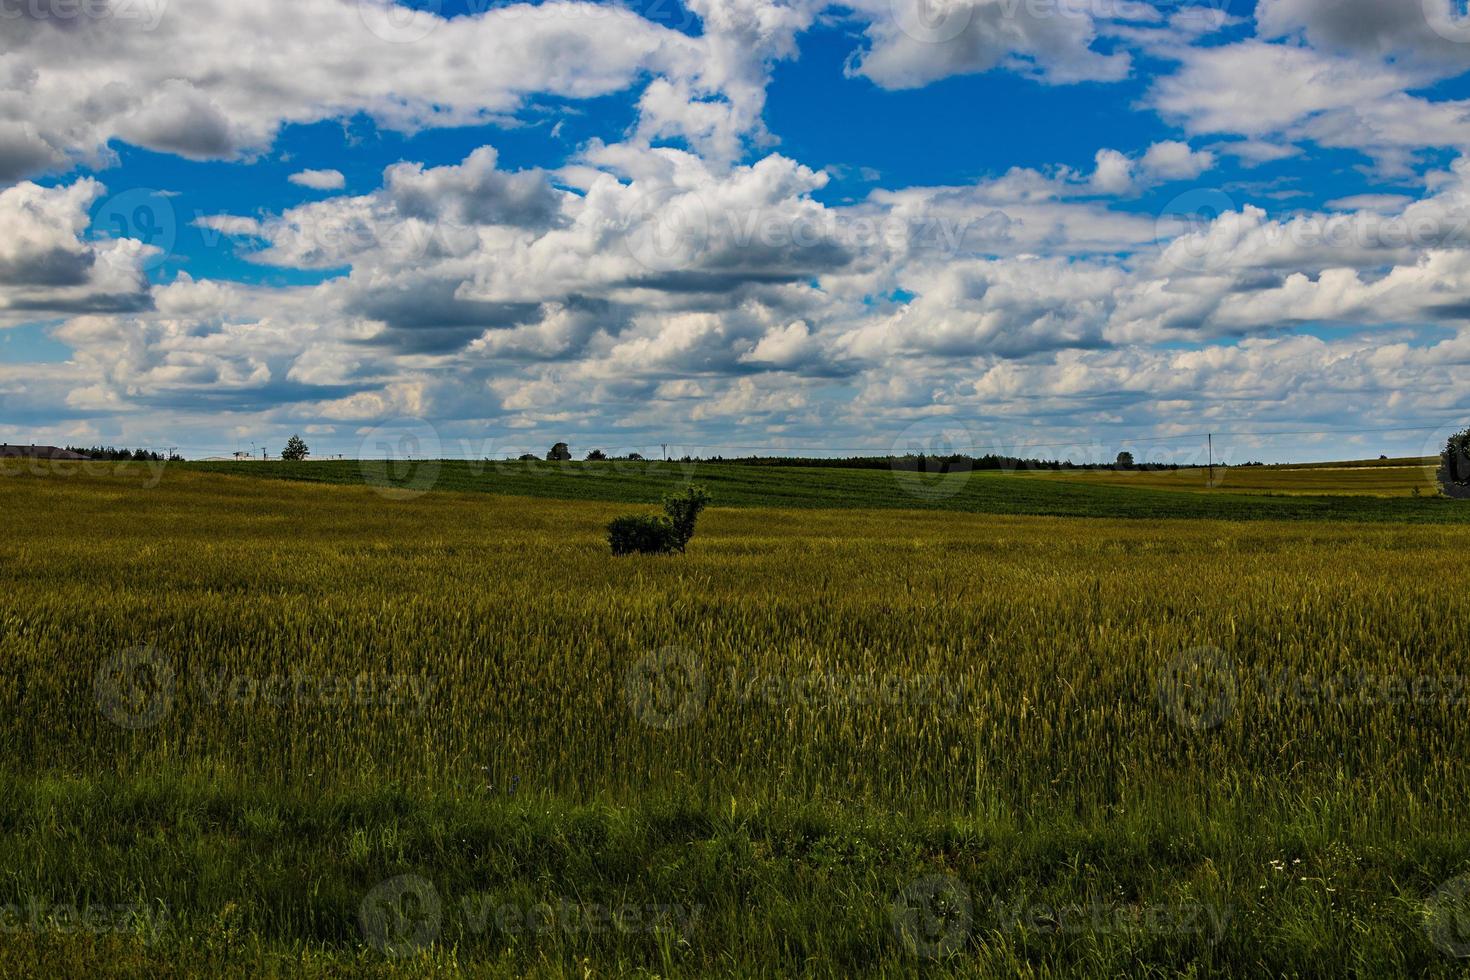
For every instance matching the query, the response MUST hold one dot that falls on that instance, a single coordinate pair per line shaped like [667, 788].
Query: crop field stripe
[1044, 494]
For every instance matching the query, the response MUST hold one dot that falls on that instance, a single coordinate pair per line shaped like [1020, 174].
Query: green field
[865, 726]
[1356, 495]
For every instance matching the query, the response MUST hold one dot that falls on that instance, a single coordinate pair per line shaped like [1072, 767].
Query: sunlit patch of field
[833, 742]
[1347, 479]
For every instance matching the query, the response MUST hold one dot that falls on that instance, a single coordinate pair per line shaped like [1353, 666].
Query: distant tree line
[562, 453]
[954, 463]
[918, 462]
[125, 455]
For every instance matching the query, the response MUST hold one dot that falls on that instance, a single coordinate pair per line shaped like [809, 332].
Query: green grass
[233, 879]
[1131, 747]
[1041, 493]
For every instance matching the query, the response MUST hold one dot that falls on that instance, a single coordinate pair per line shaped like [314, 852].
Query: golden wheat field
[1161, 707]
[1367, 479]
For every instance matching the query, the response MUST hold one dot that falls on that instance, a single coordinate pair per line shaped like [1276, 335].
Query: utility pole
[666, 451]
[1212, 458]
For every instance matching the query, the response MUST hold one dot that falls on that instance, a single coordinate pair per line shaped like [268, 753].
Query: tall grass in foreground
[857, 740]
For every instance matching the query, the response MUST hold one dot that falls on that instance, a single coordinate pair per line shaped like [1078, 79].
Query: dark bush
[1454, 466]
[683, 510]
[642, 534]
[651, 534]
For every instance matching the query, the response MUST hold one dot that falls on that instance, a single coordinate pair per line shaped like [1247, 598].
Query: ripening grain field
[1355, 480]
[270, 727]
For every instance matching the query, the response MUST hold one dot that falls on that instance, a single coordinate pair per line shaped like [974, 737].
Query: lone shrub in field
[683, 510]
[1454, 466]
[644, 534]
[651, 534]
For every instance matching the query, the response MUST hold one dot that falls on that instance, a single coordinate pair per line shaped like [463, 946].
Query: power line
[1181, 437]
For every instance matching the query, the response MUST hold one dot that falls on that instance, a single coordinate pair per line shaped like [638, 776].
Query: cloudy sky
[736, 225]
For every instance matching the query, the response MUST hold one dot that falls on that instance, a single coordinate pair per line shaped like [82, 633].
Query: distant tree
[295, 450]
[1125, 460]
[1454, 466]
[528, 457]
[635, 457]
[596, 455]
[559, 453]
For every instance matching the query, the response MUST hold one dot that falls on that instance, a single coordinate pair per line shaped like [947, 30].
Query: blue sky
[1082, 224]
